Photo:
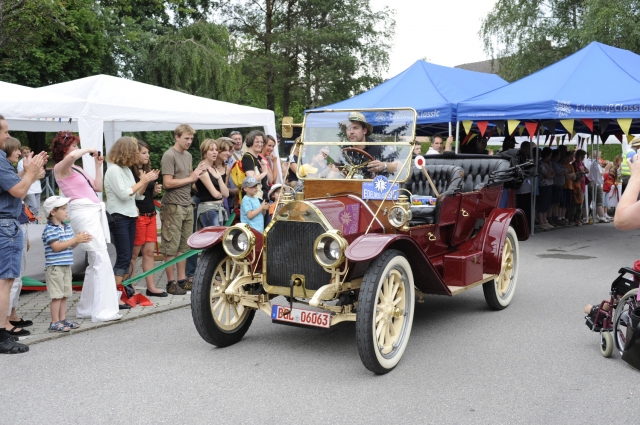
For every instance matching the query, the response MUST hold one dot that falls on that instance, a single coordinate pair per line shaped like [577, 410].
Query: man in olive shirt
[176, 212]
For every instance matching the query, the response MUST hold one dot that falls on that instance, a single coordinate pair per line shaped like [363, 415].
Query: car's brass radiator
[290, 251]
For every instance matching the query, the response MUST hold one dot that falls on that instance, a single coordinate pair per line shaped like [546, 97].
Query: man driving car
[357, 130]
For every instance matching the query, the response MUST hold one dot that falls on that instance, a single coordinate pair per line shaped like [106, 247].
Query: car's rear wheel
[385, 311]
[498, 292]
[219, 319]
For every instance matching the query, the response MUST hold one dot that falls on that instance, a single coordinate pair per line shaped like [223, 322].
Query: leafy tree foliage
[527, 35]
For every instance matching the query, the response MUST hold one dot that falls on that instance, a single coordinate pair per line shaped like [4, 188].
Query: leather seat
[446, 178]
[476, 168]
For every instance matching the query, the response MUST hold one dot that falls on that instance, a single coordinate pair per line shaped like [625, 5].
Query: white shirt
[118, 182]
[36, 187]
[432, 151]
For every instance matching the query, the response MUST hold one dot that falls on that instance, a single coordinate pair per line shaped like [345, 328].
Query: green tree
[527, 35]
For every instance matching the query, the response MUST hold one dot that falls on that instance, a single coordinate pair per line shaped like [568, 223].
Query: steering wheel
[358, 160]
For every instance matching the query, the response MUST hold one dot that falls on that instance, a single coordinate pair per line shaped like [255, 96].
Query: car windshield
[356, 144]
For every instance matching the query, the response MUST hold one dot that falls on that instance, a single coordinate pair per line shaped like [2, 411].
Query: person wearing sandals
[99, 298]
[122, 192]
[59, 241]
[146, 225]
[211, 188]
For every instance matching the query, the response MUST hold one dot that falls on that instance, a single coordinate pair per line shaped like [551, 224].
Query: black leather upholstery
[446, 178]
[476, 168]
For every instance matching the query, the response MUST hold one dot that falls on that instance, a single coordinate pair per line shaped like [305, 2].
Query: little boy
[251, 209]
[59, 242]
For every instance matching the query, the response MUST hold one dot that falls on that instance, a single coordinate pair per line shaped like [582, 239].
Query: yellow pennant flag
[630, 137]
[568, 125]
[557, 140]
[625, 124]
[512, 125]
[467, 126]
[521, 130]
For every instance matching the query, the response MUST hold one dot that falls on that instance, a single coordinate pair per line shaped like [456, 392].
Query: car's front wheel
[219, 318]
[385, 311]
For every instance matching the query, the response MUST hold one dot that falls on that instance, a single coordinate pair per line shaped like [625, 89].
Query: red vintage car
[367, 229]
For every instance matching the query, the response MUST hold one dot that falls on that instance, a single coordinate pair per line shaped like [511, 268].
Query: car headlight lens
[329, 249]
[238, 241]
[398, 216]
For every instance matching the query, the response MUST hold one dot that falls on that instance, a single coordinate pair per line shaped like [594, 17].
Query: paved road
[535, 362]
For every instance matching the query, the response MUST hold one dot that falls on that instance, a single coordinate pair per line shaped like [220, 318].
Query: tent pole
[535, 183]
[449, 128]
[457, 135]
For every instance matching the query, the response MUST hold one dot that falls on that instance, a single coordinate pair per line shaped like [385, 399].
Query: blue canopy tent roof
[432, 90]
[597, 82]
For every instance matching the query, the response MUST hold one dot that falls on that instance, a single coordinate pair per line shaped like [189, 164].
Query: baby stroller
[611, 317]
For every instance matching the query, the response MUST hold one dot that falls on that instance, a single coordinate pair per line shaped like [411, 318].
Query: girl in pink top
[99, 299]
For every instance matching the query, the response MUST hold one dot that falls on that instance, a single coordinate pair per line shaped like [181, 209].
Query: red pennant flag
[482, 126]
[619, 136]
[466, 139]
[588, 123]
[532, 127]
[493, 130]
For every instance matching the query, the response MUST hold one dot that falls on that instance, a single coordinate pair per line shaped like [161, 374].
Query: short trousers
[58, 281]
[146, 230]
[177, 226]
[599, 193]
[557, 195]
[11, 245]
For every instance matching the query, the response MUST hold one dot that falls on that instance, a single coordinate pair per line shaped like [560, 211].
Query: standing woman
[146, 226]
[273, 161]
[99, 299]
[221, 164]
[211, 188]
[122, 192]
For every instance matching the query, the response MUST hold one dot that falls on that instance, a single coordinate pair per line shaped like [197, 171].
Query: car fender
[207, 237]
[370, 246]
[495, 232]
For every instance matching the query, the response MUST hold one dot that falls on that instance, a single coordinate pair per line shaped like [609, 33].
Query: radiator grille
[290, 251]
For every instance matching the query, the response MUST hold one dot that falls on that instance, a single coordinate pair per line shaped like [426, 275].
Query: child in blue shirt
[251, 208]
[59, 241]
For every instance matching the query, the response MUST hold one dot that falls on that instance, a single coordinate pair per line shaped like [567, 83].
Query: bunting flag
[546, 137]
[557, 140]
[469, 137]
[568, 125]
[512, 125]
[625, 124]
[630, 137]
[520, 130]
[602, 125]
[467, 126]
[588, 123]
[549, 125]
[618, 135]
[493, 130]
[563, 136]
[499, 127]
[532, 127]
[482, 126]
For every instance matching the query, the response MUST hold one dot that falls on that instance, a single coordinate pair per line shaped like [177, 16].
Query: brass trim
[342, 242]
[432, 237]
[464, 212]
[251, 240]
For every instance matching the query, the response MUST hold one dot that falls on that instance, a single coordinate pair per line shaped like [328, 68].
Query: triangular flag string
[588, 123]
[532, 127]
[625, 124]
[512, 125]
[482, 126]
[499, 127]
[568, 125]
[467, 126]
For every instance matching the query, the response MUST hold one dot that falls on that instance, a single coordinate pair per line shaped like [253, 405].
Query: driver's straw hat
[359, 117]
[635, 141]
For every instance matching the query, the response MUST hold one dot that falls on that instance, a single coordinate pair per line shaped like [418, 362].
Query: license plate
[301, 316]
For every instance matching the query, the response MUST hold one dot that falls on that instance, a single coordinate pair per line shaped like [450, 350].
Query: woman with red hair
[99, 299]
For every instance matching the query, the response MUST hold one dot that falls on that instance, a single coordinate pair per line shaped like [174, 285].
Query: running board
[455, 290]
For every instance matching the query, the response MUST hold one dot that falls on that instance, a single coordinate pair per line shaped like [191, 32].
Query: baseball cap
[249, 182]
[53, 202]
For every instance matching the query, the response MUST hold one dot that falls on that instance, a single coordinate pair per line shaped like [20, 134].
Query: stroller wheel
[621, 318]
[606, 344]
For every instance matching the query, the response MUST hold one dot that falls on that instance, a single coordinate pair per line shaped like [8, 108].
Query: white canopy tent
[25, 108]
[114, 105]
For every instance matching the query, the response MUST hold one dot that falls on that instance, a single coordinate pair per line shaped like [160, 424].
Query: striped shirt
[54, 233]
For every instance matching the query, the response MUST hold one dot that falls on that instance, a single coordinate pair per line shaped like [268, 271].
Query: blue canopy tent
[432, 90]
[598, 83]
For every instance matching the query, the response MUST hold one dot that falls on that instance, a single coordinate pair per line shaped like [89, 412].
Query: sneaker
[186, 284]
[10, 346]
[578, 223]
[547, 226]
[174, 289]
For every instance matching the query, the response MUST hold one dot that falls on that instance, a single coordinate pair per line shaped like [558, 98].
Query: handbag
[631, 353]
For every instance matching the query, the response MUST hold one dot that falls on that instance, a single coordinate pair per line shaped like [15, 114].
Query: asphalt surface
[535, 362]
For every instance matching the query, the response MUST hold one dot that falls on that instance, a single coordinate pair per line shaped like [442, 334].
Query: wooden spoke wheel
[498, 293]
[385, 312]
[219, 318]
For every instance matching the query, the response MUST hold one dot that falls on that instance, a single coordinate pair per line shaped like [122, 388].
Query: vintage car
[359, 243]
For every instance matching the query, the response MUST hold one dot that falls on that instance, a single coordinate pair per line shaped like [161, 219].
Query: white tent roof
[26, 108]
[116, 104]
